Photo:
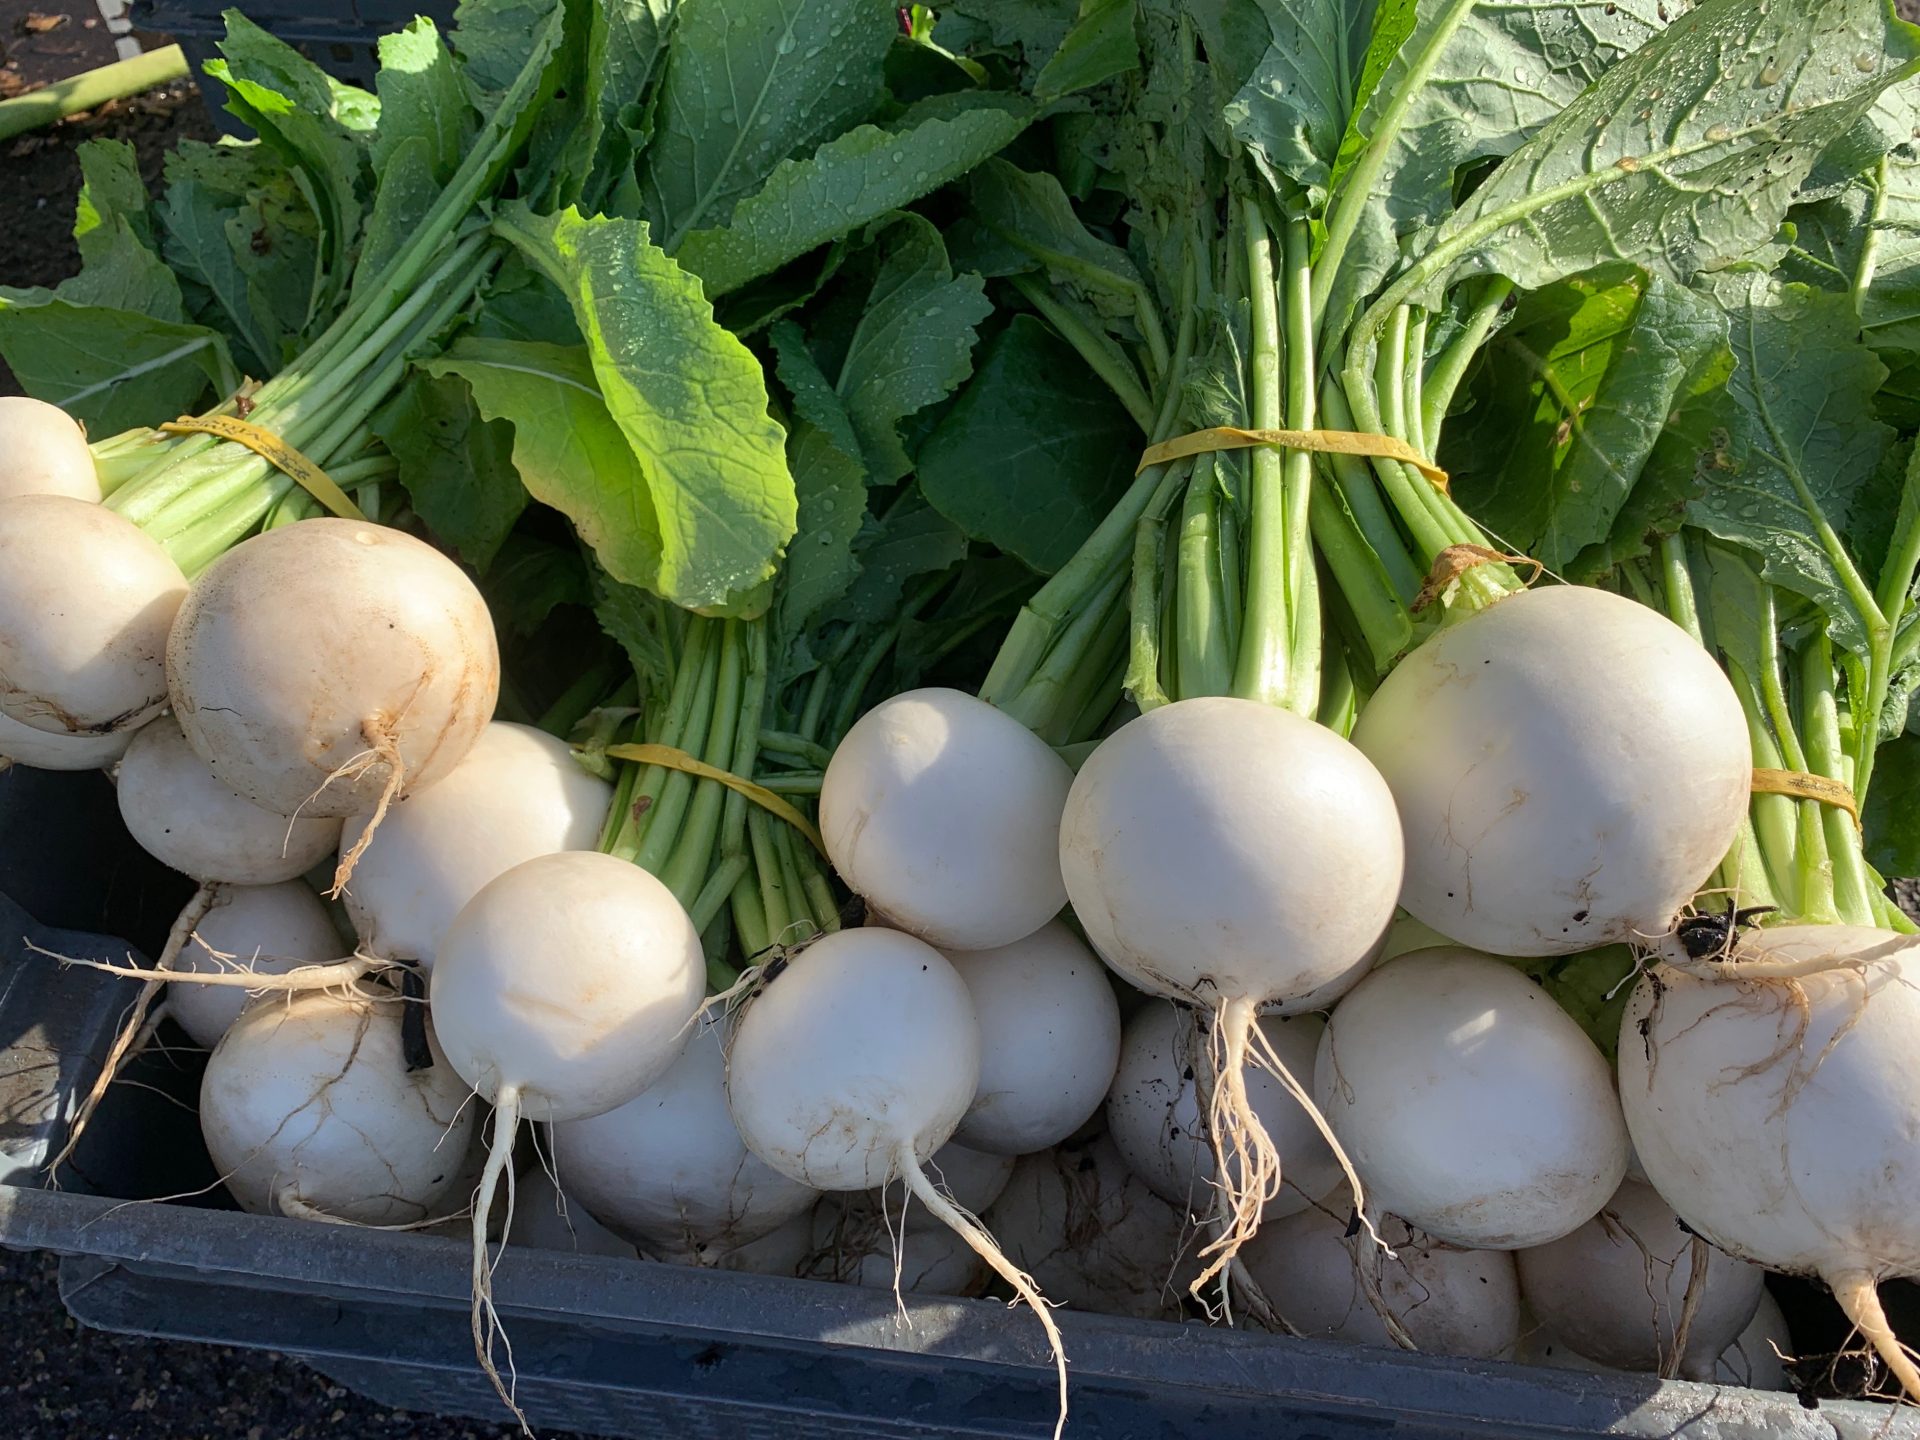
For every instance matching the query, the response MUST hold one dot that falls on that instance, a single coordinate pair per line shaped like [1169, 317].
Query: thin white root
[982, 1244]
[330, 976]
[382, 747]
[1859, 1295]
[486, 1320]
[1697, 1255]
[1246, 1161]
[1366, 1263]
[140, 1024]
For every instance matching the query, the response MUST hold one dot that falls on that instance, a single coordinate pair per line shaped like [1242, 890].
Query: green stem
[1449, 367]
[1863, 272]
[1203, 654]
[1103, 357]
[1820, 726]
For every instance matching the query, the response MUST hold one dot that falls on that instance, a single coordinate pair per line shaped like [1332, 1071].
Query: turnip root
[1570, 766]
[328, 667]
[1436, 1297]
[264, 930]
[1235, 856]
[43, 451]
[1616, 1289]
[1092, 1234]
[40, 750]
[546, 1219]
[563, 989]
[309, 1110]
[1472, 1105]
[972, 1179]
[1775, 1108]
[183, 816]
[86, 599]
[1049, 1040]
[1154, 1110]
[944, 814]
[667, 1169]
[517, 794]
[926, 1262]
[857, 1062]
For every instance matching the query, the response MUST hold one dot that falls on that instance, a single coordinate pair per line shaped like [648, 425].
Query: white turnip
[86, 602]
[1616, 1288]
[183, 816]
[667, 1169]
[1436, 1298]
[1154, 1109]
[546, 1219]
[43, 451]
[309, 1110]
[326, 668]
[1049, 1040]
[517, 794]
[41, 750]
[1773, 1105]
[853, 1065]
[1472, 1105]
[943, 813]
[264, 930]
[1569, 766]
[1237, 857]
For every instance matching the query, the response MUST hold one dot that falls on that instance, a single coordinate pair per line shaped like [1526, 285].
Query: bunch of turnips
[1134, 664]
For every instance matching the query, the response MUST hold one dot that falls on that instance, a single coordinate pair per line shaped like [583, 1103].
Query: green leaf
[749, 83]
[110, 187]
[1292, 104]
[1035, 451]
[421, 98]
[1030, 213]
[1801, 439]
[196, 218]
[831, 484]
[1037, 27]
[457, 468]
[1100, 46]
[490, 37]
[626, 45]
[1890, 309]
[1572, 395]
[121, 273]
[634, 620]
[407, 192]
[913, 343]
[279, 253]
[110, 369]
[523, 304]
[843, 185]
[529, 579]
[911, 540]
[1469, 81]
[1687, 152]
[1892, 817]
[690, 400]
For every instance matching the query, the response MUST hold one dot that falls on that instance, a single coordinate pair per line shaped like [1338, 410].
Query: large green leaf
[1571, 397]
[1100, 46]
[1293, 100]
[911, 540]
[110, 369]
[831, 483]
[1035, 451]
[1687, 152]
[750, 83]
[407, 192]
[421, 98]
[110, 188]
[1029, 215]
[195, 219]
[457, 468]
[846, 183]
[1800, 439]
[690, 400]
[626, 44]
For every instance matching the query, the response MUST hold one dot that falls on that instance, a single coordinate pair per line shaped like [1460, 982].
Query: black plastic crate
[634, 1349]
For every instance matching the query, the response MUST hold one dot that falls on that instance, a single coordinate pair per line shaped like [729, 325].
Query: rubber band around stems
[672, 759]
[276, 452]
[1322, 442]
[1801, 786]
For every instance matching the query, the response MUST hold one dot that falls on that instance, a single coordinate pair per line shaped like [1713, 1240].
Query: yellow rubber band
[271, 448]
[674, 759]
[1324, 442]
[1802, 786]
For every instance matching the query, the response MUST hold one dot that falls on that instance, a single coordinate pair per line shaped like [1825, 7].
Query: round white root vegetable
[668, 1170]
[1570, 766]
[779, 1252]
[1472, 1104]
[39, 750]
[261, 930]
[309, 1110]
[1615, 1289]
[546, 1219]
[854, 1065]
[1091, 1233]
[924, 1262]
[564, 988]
[328, 667]
[1773, 1105]
[943, 813]
[1426, 1296]
[1049, 1040]
[517, 794]
[43, 451]
[1238, 857]
[1153, 1110]
[183, 816]
[86, 599]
